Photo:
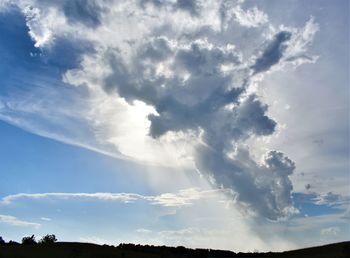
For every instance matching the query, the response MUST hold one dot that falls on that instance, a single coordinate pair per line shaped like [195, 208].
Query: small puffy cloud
[14, 221]
[346, 214]
[330, 232]
[273, 52]
[143, 231]
[40, 33]
[250, 18]
[332, 199]
[45, 219]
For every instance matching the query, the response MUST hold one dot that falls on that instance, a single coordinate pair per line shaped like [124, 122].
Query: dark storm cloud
[251, 117]
[142, 81]
[226, 127]
[66, 53]
[190, 6]
[264, 189]
[208, 100]
[84, 11]
[308, 186]
[175, 116]
[273, 52]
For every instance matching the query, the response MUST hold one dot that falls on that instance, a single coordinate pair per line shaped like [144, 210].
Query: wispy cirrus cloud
[14, 221]
[185, 197]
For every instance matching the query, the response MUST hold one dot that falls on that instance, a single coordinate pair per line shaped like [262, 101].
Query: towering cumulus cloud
[164, 74]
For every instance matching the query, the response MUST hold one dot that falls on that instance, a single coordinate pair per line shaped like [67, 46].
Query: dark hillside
[83, 250]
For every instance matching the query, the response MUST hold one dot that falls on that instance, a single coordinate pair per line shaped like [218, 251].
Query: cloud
[200, 106]
[308, 186]
[331, 231]
[273, 52]
[87, 12]
[250, 18]
[13, 221]
[185, 197]
[190, 6]
[122, 197]
[143, 231]
[287, 46]
[332, 199]
[45, 219]
[301, 39]
[46, 19]
[164, 86]
[268, 181]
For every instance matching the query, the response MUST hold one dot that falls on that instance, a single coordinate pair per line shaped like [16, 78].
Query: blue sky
[177, 124]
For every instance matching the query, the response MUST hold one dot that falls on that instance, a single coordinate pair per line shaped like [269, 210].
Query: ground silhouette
[52, 249]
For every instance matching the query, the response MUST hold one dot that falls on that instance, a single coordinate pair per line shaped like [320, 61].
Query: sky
[214, 124]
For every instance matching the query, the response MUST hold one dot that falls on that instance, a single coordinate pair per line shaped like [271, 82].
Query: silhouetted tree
[29, 240]
[48, 239]
[2, 241]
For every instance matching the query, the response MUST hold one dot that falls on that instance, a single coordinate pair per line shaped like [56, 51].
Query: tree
[2, 241]
[48, 239]
[29, 240]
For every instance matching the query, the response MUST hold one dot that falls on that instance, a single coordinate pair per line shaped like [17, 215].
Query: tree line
[30, 240]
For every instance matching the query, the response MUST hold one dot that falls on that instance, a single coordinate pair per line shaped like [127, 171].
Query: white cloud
[185, 197]
[250, 18]
[122, 197]
[13, 221]
[45, 219]
[143, 231]
[331, 231]
[300, 42]
[332, 199]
